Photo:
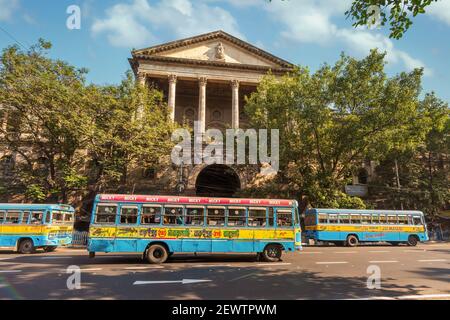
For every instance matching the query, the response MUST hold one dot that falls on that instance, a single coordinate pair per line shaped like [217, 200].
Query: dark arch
[217, 180]
[363, 176]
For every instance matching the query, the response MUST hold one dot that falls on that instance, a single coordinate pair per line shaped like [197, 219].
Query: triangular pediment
[215, 47]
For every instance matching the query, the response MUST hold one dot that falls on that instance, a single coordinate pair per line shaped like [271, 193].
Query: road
[420, 272]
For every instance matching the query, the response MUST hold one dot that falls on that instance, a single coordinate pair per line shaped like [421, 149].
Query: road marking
[331, 262]
[384, 261]
[184, 281]
[418, 250]
[10, 271]
[243, 277]
[345, 251]
[272, 264]
[410, 297]
[310, 252]
[144, 268]
[60, 257]
[433, 260]
[91, 269]
[213, 265]
[379, 251]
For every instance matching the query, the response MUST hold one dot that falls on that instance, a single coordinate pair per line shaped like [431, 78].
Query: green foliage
[399, 13]
[35, 193]
[332, 120]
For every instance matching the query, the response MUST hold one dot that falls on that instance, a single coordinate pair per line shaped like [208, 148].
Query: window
[284, 218]
[410, 219]
[333, 218]
[417, 220]
[68, 217]
[257, 217]
[355, 219]
[216, 216]
[25, 217]
[128, 214]
[2, 216]
[375, 218]
[344, 218]
[151, 215]
[194, 215]
[48, 217]
[12, 217]
[383, 219]
[402, 220]
[106, 214]
[271, 217]
[392, 219]
[36, 217]
[57, 216]
[236, 216]
[323, 218]
[365, 219]
[173, 215]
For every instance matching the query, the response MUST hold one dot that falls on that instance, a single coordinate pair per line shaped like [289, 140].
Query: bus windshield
[60, 217]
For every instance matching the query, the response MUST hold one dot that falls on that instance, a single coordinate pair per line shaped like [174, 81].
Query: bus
[159, 226]
[27, 227]
[350, 227]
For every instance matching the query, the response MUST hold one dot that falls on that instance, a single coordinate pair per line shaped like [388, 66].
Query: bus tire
[50, 248]
[272, 253]
[352, 241]
[157, 254]
[26, 246]
[413, 240]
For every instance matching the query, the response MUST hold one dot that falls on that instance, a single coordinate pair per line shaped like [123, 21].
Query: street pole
[398, 182]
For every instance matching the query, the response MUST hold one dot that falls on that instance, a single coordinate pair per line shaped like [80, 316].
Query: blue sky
[305, 32]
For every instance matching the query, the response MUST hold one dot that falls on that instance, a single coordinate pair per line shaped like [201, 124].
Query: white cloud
[133, 25]
[440, 10]
[7, 9]
[311, 21]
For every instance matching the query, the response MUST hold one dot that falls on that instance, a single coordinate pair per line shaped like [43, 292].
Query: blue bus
[158, 226]
[27, 227]
[350, 227]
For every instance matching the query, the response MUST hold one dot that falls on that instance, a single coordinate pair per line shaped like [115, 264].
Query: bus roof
[396, 212]
[43, 206]
[194, 200]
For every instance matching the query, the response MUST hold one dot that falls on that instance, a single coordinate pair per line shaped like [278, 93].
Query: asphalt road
[420, 272]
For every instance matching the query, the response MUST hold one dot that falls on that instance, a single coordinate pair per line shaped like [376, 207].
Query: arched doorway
[217, 180]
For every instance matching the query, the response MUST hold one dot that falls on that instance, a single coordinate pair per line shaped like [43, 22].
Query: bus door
[126, 235]
[2, 237]
[215, 221]
[237, 221]
[284, 224]
[10, 227]
[103, 227]
[201, 241]
[393, 233]
[257, 223]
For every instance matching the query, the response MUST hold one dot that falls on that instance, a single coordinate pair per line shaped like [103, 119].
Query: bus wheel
[50, 248]
[26, 246]
[412, 241]
[352, 241]
[157, 254]
[272, 253]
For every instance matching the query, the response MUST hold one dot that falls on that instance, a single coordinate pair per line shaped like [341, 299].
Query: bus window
[128, 214]
[194, 215]
[333, 218]
[236, 216]
[106, 214]
[48, 217]
[36, 217]
[284, 218]
[355, 219]
[257, 217]
[271, 217]
[392, 219]
[57, 217]
[2, 216]
[215, 216]
[365, 219]
[344, 218]
[383, 219]
[173, 215]
[68, 217]
[323, 218]
[402, 220]
[410, 219]
[25, 217]
[417, 220]
[375, 219]
[12, 217]
[151, 215]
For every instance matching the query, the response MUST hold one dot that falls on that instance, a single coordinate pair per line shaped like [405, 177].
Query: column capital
[172, 78]
[202, 81]
[235, 84]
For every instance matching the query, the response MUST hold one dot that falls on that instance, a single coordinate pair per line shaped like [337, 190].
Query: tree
[334, 119]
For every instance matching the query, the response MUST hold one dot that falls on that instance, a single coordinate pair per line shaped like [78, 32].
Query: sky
[304, 32]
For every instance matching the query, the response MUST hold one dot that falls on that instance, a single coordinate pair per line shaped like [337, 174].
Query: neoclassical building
[206, 78]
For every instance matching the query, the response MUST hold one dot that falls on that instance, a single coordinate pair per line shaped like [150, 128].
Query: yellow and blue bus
[350, 227]
[27, 227]
[159, 226]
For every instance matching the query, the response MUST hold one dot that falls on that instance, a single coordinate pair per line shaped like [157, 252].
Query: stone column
[172, 95]
[235, 104]
[202, 103]
[141, 78]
